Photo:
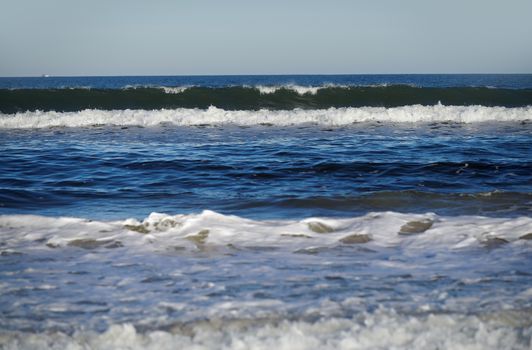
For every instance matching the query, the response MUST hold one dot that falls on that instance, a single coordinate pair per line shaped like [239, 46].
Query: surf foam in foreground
[212, 281]
[369, 331]
[162, 231]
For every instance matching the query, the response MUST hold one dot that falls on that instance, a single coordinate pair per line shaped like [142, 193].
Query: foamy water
[376, 230]
[377, 281]
[375, 331]
[216, 116]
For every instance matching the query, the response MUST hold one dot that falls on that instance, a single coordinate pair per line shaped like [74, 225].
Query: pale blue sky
[181, 37]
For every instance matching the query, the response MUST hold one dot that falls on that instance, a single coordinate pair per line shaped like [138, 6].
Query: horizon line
[44, 76]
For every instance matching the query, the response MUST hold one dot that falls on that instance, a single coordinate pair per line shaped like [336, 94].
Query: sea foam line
[264, 89]
[413, 232]
[381, 330]
[217, 116]
[299, 89]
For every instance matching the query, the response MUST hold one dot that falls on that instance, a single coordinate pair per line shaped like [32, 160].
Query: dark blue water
[112, 172]
[512, 81]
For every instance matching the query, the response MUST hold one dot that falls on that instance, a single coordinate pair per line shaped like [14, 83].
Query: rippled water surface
[340, 228]
[113, 172]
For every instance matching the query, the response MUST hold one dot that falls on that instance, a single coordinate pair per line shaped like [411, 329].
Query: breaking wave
[161, 232]
[217, 116]
[381, 330]
[283, 97]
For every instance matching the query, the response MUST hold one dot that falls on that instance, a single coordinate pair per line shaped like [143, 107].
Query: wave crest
[283, 97]
[217, 116]
[191, 232]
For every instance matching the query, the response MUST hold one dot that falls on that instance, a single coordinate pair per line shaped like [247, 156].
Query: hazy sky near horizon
[183, 37]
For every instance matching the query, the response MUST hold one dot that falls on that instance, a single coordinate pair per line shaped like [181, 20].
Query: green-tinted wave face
[254, 98]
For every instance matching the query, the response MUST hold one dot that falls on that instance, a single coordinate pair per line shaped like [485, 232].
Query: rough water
[351, 227]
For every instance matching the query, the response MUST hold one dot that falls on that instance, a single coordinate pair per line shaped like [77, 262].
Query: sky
[211, 37]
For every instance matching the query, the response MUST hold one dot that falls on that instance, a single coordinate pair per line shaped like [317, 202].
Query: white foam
[312, 90]
[217, 116]
[175, 89]
[208, 228]
[299, 89]
[198, 319]
[380, 330]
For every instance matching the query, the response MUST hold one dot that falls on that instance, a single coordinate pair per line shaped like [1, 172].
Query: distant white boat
[45, 75]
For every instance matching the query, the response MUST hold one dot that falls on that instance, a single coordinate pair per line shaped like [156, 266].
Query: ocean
[266, 212]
